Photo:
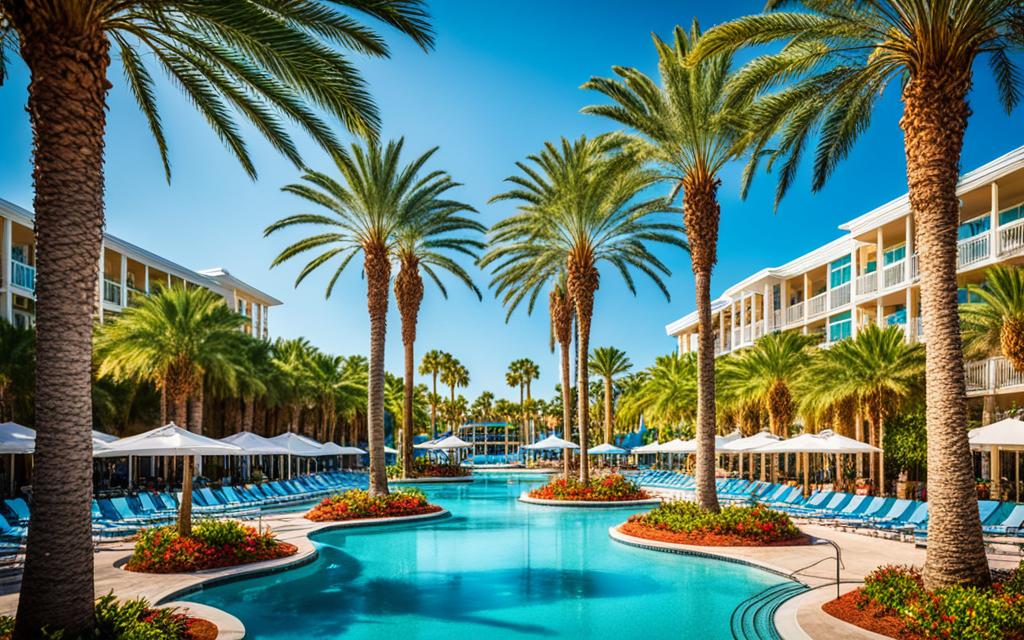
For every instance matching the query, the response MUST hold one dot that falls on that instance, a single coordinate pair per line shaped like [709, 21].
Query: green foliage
[906, 443]
[757, 522]
[1001, 302]
[667, 394]
[17, 372]
[213, 543]
[610, 487]
[123, 620]
[357, 504]
[893, 587]
[218, 533]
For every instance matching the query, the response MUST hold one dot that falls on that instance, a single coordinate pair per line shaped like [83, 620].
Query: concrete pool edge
[589, 504]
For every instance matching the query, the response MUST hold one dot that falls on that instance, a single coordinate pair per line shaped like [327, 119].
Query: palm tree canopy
[750, 375]
[838, 59]
[432, 362]
[668, 393]
[579, 201]
[455, 374]
[609, 362]
[268, 62]
[184, 334]
[996, 322]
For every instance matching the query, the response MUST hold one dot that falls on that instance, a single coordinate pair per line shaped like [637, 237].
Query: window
[899, 316]
[776, 297]
[839, 272]
[964, 296]
[973, 227]
[871, 267]
[840, 326]
[895, 254]
[1010, 215]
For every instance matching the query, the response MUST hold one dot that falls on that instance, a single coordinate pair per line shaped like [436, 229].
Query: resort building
[870, 274]
[126, 272]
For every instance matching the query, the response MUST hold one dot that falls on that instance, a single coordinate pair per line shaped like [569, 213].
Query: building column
[266, 320]
[767, 306]
[145, 278]
[994, 221]
[721, 328]
[743, 315]
[807, 296]
[853, 292]
[879, 258]
[99, 281]
[783, 300]
[124, 280]
[732, 325]
[7, 303]
[680, 339]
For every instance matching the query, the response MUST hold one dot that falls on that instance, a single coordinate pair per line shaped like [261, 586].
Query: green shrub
[893, 587]
[967, 613]
[124, 620]
[218, 533]
[757, 523]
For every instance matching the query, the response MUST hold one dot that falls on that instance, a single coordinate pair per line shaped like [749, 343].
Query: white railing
[976, 375]
[758, 329]
[992, 374]
[23, 275]
[737, 337]
[914, 273]
[1005, 374]
[1011, 237]
[867, 283]
[894, 274]
[795, 313]
[746, 335]
[972, 250]
[839, 296]
[816, 305]
[111, 292]
[776, 319]
[918, 325]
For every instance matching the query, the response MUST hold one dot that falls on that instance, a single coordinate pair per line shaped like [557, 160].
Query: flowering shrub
[213, 543]
[893, 587]
[126, 620]
[357, 503]
[423, 468]
[611, 487]
[745, 523]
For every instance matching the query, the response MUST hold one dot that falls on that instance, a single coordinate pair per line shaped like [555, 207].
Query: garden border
[589, 504]
[450, 480]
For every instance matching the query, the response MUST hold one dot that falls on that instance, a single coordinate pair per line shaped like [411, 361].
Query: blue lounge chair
[19, 507]
[1011, 525]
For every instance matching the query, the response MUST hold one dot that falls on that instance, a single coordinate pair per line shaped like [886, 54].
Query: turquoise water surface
[497, 569]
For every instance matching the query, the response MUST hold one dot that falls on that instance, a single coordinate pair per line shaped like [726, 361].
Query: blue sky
[503, 79]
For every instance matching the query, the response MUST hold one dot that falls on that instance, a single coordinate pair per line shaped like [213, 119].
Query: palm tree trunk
[163, 405]
[377, 268]
[185, 508]
[248, 413]
[934, 119]
[195, 416]
[700, 215]
[566, 404]
[408, 295]
[433, 409]
[608, 410]
[529, 413]
[67, 106]
[582, 281]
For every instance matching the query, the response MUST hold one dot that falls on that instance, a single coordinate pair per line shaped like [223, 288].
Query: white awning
[169, 440]
[16, 438]
[349, 451]
[551, 443]
[255, 445]
[1006, 434]
[449, 443]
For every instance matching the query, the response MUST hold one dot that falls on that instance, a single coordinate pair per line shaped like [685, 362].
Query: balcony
[867, 283]
[839, 296]
[135, 296]
[970, 251]
[914, 273]
[23, 275]
[816, 306]
[111, 292]
[1011, 237]
[776, 320]
[894, 274]
[795, 313]
[992, 374]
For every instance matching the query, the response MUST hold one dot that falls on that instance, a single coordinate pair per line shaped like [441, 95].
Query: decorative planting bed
[429, 471]
[893, 602]
[357, 504]
[610, 490]
[684, 522]
[212, 545]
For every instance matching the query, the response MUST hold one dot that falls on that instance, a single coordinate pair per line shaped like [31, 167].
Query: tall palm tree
[877, 370]
[17, 369]
[995, 324]
[580, 207]
[268, 63]
[483, 407]
[560, 308]
[431, 365]
[822, 86]
[427, 243]
[668, 392]
[291, 358]
[178, 339]
[514, 379]
[688, 130]
[609, 363]
[375, 199]
[528, 372]
[454, 374]
[334, 385]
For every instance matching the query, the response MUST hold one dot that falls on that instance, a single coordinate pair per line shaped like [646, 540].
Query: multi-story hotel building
[869, 274]
[126, 272]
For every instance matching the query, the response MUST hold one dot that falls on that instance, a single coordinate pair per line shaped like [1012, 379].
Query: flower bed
[610, 488]
[132, 620]
[213, 544]
[894, 602]
[356, 504]
[421, 468]
[684, 522]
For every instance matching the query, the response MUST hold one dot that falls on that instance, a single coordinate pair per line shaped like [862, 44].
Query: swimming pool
[497, 569]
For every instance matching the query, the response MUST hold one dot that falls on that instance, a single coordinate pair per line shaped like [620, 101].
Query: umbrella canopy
[296, 445]
[429, 444]
[650, 447]
[1007, 434]
[391, 450]
[551, 443]
[824, 442]
[605, 450]
[256, 445]
[755, 441]
[732, 437]
[678, 446]
[102, 437]
[16, 438]
[350, 451]
[449, 443]
[169, 440]
[331, 449]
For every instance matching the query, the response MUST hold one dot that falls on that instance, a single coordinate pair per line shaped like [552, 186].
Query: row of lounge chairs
[890, 517]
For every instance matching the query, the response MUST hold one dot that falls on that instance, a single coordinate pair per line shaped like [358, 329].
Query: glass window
[972, 228]
[839, 326]
[895, 254]
[899, 316]
[777, 297]
[964, 296]
[1008, 216]
[839, 272]
[872, 266]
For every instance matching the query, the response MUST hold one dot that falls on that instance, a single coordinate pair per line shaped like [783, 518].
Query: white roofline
[224, 277]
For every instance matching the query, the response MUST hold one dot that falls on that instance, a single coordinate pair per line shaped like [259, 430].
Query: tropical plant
[668, 394]
[822, 86]
[562, 313]
[292, 358]
[431, 365]
[609, 363]
[579, 207]
[434, 233]
[995, 324]
[453, 374]
[177, 338]
[333, 385]
[17, 370]
[263, 62]
[482, 408]
[688, 130]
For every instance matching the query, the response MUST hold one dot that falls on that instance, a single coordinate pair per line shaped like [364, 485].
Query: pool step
[754, 618]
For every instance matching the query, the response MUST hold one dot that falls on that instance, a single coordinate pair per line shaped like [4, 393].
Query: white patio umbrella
[741, 446]
[102, 437]
[1005, 434]
[551, 443]
[449, 443]
[391, 450]
[826, 442]
[650, 447]
[172, 440]
[605, 450]
[297, 446]
[351, 451]
[255, 445]
[429, 444]
[16, 439]
[678, 445]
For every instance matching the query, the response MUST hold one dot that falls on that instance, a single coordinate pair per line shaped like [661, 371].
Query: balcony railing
[111, 292]
[135, 296]
[914, 273]
[776, 320]
[816, 305]
[894, 274]
[839, 296]
[867, 283]
[991, 374]
[795, 313]
[973, 250]
[23, 275]
[758, 329]
[1011, 237]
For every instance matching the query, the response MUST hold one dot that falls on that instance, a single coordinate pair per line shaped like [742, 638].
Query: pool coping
[589, 504]
[456, 479]
[228, 626]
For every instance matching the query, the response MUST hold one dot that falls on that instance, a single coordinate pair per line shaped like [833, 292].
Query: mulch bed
[199, 629]
[284, 549]
[706, 539]
[430, 508]
[872, 616]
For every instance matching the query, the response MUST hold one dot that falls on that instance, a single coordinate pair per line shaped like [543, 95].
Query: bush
[213, 543]
[893, 587]
[125, 620]
[612, 487]
[755, 523]
[424, 468]
[356, 504]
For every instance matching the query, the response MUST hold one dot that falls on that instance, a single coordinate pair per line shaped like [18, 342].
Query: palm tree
[375, 200]
[877, 370]
[482, 409]
[291, 359]
[580, 207]
[839, 59]
[688, 130]
[528, 372]
[609, 363]
[560, 308]
[431, 365]
[514, 379]
[668, 392]
[334, 385]
[178, 339]
[434, 233]
[17, 369]
[454, 374]
[995, 324]
[266, 62]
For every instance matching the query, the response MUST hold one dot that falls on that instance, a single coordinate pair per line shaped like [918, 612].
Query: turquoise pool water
[497, 569]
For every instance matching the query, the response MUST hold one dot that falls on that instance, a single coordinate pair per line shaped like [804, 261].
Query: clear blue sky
[503, 79]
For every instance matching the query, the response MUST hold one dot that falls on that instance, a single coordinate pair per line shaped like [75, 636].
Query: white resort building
[869, 274]
[126, 272]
